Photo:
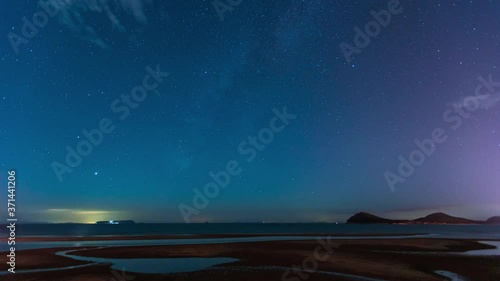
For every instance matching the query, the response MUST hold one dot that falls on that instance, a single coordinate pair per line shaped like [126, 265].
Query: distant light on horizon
[82, 216]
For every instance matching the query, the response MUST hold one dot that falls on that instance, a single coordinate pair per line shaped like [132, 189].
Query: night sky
[226, 80]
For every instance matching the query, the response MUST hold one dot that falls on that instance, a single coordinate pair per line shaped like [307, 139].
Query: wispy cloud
[81, 215]
[83, 212]
[80, 17]
[472, 211]
[137, 9]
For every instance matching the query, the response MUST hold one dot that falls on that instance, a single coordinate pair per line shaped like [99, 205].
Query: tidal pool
[155, 265]
[451, 275]
[489, 252]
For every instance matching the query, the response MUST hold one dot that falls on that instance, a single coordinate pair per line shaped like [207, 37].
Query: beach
[323, 258]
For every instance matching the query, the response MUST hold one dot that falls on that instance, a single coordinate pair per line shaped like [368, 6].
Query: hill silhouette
[442, 218]
[365, 218]
[493, 220]
[434, 218]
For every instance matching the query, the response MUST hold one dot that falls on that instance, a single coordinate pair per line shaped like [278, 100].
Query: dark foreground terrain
[383, 259]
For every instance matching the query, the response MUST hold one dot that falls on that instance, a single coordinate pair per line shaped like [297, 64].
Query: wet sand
[384, 259]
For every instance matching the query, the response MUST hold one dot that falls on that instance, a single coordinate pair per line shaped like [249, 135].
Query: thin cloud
[79, 15]
[82, 212]
[472, 211]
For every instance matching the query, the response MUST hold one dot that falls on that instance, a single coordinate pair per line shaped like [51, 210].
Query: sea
[139, 229]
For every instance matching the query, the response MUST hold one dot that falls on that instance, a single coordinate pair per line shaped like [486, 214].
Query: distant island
[435, 218]
[116, 222]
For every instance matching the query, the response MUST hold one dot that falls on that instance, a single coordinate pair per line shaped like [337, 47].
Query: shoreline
[385, 259]
[193, 236]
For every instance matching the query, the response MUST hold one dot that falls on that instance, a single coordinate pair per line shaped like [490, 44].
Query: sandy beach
[380, 259]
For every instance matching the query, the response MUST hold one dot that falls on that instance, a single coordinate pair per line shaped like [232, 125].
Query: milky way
[165, 136]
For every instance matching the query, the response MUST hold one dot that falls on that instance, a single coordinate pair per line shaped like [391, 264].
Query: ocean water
[165, 265]
[192, 241]
[450, 231]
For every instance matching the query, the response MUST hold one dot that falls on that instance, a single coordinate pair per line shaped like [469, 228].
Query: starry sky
[226, 74]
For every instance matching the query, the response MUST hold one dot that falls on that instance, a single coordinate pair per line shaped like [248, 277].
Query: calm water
[155, 266]
[163, 242]
[450, 275]
[490, 252]
[459, 231]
